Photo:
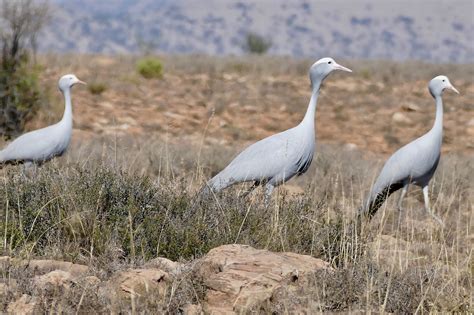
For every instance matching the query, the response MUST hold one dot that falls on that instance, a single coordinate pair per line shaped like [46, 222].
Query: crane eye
[444, 80]
[329, 62]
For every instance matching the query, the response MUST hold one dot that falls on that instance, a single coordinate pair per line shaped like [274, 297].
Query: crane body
[276, 159]
[414, 163]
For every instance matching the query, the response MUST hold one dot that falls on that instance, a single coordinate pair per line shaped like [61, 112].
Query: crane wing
[284, 154]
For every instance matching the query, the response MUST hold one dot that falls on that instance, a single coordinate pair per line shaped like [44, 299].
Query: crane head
[323, 67]
[439, 84]
[67, 81]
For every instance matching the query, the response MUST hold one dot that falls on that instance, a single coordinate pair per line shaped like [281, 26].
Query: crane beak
[81, 82]
[339, 67]
[452, 88]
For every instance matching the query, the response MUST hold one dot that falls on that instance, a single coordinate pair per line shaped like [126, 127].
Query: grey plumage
[43, 144]
[276, 159]
[414, 163]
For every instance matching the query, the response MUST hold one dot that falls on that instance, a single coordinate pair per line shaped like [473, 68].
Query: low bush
[96, 88]
[20, 98]
[150, 68]
[256, 44]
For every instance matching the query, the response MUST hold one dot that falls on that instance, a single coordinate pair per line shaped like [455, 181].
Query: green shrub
[150, 68]
[96, 88]
[20, 97]
[256, 44]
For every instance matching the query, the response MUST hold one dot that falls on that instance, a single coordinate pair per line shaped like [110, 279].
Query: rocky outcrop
[239, 278]
[231, 279]
[54, 279]
[132, 284]
[164, 264]
[25, 305]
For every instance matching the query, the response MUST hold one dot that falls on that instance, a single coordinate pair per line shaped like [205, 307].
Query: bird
[277, 158]
[39, 146]
[414, 163]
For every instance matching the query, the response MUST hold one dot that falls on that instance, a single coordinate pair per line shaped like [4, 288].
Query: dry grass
[113, 205]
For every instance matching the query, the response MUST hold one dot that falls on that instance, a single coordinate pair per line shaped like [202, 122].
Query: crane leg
[402, 196]
[427, 206]
[268, 193]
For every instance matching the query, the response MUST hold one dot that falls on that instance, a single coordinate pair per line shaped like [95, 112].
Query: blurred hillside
[438, 31]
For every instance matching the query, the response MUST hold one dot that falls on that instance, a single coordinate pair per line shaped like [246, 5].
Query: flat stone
[239, 277]
[25, 305]
[400, 118]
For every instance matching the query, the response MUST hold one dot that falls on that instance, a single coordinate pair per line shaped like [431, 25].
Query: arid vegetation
[20, 95]
[125, 193]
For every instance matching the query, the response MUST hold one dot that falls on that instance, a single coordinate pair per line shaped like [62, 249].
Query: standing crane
[276, 159]
[415, 163]
[41, 145]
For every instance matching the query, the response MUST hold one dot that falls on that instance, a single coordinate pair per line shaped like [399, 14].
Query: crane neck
[438, 124]
[311, 111]
[67, 116]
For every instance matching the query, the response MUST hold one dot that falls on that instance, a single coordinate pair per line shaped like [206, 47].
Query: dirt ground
[235, 101]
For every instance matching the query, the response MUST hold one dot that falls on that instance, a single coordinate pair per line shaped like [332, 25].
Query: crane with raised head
[276, 159]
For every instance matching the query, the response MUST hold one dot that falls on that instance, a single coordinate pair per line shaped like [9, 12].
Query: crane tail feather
[376, 202]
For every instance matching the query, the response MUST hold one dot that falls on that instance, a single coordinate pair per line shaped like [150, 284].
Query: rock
[43, 266]
[136, 283]
[164, 264]
[350, 146]
[470, 131]
[400, 118]
[410, 107]
[222, 123]
[192, 309]
[90, 281]
[470, 127]
[54, 279]
[239, 278]
[24, 305]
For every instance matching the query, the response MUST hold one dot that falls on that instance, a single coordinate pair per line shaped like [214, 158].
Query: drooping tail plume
[376, 200]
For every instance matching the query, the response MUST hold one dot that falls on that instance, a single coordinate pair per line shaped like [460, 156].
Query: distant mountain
[432, 30]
